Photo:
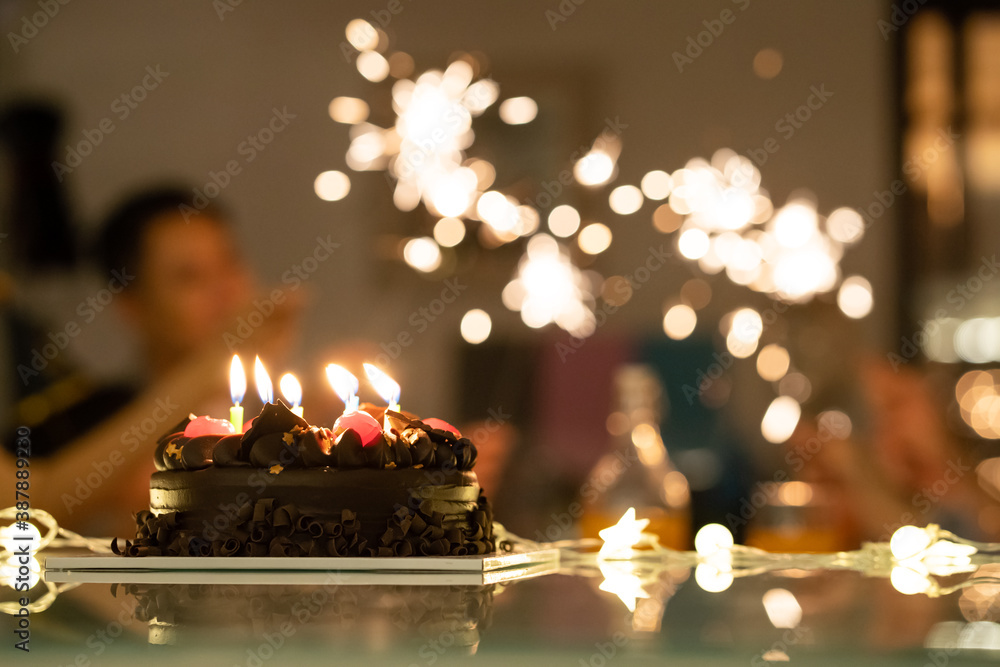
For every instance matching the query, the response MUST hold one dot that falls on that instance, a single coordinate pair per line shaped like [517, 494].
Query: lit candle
[237, 389]
[292, 391]
[384, 386]
[345, 385]
[264, 388]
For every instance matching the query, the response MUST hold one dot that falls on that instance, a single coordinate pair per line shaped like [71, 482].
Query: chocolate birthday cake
[288, 488]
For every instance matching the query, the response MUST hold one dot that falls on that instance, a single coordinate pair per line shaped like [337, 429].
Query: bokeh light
[449, 232]
[780, 419]
[332, 185]
[855, 297]
[423, 254]
[564, 221]
[476, 326]
[625, 199]
[772, 362]
[656, 185]
[679, 321]
[518, 110]
[595, 238]
[349, 110]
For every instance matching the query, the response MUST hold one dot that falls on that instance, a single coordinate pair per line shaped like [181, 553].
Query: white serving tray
[490, 568]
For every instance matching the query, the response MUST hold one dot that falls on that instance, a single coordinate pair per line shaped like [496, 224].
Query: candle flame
[384, 385]
[237, 380]
[264, 387]
[291, 389]
[344, 384]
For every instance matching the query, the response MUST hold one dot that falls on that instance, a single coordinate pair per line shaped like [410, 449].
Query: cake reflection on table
[365, 617]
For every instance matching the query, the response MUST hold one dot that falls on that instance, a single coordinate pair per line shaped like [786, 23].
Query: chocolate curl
[432, 533]
[402, 549]
[231, 547]
[308, 524]
[281, 546]
[261, 534]
[349, 520]
[382, 552]
[263, 509]
[476, 547]
[285, 518]
[417, 524]
[435, 548]
[245, 512]
[457, 550]
[116, 550]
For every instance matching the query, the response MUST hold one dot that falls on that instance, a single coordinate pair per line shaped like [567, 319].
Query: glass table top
[560, 615]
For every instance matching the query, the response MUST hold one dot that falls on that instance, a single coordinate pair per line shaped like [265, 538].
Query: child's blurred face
[190, 286]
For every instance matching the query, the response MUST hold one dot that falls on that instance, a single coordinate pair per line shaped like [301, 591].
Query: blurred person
[184, 284]
[910, 469]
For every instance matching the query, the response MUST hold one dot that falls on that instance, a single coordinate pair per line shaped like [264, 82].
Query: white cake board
[301, 577]
[490, 568]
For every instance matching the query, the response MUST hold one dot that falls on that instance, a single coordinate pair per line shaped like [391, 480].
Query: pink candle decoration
[434, 422]
[208, 426]
[362, 423]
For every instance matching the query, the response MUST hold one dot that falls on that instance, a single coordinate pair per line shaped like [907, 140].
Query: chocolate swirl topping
[279, 437]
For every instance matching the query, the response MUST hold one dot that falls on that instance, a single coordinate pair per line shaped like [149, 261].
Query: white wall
[225, 76]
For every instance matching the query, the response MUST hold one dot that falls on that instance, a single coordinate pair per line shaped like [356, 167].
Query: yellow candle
[236, 417]
[237, 387]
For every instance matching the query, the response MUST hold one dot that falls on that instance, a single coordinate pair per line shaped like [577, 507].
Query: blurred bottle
[636, 471]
